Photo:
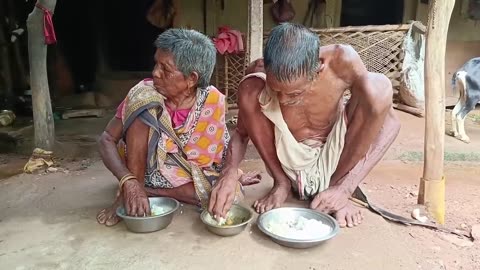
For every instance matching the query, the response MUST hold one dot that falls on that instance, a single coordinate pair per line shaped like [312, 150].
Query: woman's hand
[135, 199]
[223, 195]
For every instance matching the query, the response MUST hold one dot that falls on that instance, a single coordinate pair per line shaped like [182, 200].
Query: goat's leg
[468, 107]
[462, 135]
[454, 130]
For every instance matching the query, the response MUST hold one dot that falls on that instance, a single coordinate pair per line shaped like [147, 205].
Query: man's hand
[135, 199]
[223, 194]
[331, 200]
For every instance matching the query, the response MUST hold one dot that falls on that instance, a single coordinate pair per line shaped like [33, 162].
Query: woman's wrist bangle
[125, 179]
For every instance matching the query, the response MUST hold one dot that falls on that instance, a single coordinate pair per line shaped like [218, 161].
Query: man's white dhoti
[308, 167]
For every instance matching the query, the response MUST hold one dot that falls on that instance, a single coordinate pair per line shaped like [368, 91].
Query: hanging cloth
[316, 16]
[163, 13]
[48, 29]
[282, 11]
[474, 10]
[228, 41]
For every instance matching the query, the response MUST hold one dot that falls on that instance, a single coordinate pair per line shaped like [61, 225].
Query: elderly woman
[168, 137]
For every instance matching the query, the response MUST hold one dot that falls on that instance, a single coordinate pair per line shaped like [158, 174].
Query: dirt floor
[47, 221]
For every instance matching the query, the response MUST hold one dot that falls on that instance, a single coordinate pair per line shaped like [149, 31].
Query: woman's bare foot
[275, 198]
[249, 178]
[349, 216]
[108, 216]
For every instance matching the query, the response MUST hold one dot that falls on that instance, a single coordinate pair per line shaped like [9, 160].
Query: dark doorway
[129, 36]
[371, 12]
[118, 30]
[75, 27]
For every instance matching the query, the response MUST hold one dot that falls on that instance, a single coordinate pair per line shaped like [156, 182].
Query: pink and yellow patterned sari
[193, 151]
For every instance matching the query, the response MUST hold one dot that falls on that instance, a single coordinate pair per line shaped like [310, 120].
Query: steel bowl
[151, 223]
[292, 212]
[237, 212]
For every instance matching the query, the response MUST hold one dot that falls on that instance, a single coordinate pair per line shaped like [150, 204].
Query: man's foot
[249, 178]
[275, 198]
[349, 216]
[108, 216]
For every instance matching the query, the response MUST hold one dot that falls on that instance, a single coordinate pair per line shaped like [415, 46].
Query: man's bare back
[310, 104]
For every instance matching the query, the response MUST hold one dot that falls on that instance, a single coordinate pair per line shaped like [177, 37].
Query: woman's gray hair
[291, 52]
[192, 52]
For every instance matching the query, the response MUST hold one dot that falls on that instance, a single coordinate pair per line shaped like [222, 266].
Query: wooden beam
[210, 20]
[419, 27]
[432, 185]
[367, 28]
[337, 13]
[41, 103]
[255, 29]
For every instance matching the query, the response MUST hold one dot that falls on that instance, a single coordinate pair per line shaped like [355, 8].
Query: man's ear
[321, 66]
[192, 79]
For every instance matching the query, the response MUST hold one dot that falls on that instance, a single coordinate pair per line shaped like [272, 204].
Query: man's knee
[392, 123]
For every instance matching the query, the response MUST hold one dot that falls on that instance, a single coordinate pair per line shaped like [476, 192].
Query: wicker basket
[228, 73]
[380, 47]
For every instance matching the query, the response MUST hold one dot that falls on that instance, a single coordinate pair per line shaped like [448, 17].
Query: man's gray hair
[192, 52]
[291, 52]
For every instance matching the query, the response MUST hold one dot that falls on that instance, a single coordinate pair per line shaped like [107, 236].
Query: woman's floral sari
[194, 151]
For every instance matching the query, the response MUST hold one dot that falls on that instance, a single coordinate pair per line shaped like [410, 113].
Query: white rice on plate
[299, 229]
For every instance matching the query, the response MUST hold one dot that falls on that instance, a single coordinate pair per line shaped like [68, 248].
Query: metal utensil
[293, 212]
[237, 213]
[151, 223]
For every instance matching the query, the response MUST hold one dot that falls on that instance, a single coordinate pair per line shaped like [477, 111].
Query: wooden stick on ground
[408, 109]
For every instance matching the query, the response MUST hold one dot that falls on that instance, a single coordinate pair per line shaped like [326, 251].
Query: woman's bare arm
[107, 144]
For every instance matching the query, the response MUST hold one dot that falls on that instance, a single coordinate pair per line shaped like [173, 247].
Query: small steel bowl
[237, 212]
[271, 215]
[151, 223]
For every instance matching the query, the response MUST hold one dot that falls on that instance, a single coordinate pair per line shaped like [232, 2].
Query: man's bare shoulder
[255, 66]
[253, 84]
[347, 65]
[339, 52]
[344, 61]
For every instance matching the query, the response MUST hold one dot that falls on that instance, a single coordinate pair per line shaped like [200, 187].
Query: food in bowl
[299, 228]
[156, 210]
[162, 212]
[235, 222]
[230, 220]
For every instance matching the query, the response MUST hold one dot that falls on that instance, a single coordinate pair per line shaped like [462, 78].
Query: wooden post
[255, 29]
[41, 103]
[432, 185]
[210, 13]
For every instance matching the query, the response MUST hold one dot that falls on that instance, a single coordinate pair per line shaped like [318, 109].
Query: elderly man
[291, 106]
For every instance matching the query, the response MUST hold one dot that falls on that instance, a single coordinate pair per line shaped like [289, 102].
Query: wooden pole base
[432, 189]
[432, 195]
